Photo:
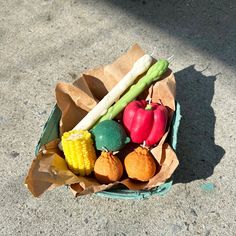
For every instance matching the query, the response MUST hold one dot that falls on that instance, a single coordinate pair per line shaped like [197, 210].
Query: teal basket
[51, 132]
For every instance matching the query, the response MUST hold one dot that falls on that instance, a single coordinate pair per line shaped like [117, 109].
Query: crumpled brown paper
[49, 169]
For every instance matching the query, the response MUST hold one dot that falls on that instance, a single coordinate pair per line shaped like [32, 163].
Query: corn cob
[79, 151]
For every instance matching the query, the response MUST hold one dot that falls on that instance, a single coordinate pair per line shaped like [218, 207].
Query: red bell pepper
[145, 121]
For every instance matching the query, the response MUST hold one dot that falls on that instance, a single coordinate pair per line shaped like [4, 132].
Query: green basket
[51, 132]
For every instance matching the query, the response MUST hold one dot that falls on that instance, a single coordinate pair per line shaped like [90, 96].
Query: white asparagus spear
[139, 67]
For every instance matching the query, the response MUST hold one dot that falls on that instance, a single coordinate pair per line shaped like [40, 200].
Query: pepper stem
[149, 106]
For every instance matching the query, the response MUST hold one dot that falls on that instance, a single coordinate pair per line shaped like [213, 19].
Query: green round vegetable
[109, 135]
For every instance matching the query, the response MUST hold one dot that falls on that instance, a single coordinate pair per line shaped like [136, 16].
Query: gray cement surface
[43, 42]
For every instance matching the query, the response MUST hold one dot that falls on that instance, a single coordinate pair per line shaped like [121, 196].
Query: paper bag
[49, 169]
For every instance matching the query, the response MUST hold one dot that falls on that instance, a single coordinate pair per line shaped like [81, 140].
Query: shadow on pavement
[196, 149]
[210, 27]
[207, 25]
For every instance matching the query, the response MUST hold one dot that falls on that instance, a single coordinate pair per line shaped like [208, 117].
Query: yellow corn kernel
[79, 151]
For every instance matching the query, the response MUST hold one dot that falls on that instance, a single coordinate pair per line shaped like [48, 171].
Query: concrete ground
[43, 42]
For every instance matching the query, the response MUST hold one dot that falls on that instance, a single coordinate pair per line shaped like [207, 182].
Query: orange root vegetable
[108, 168]
[140, 165]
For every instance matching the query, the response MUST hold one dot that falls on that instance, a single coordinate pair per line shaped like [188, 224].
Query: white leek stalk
[139, 67]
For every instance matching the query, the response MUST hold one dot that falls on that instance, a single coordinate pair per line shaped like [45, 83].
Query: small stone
[14, 154]
[49, 18]
[187, 225]
[43, 112]
[86, 221]
[73, 75]
[193, 212]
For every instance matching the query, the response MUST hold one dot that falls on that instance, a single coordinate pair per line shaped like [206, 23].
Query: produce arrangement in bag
[113, 129]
